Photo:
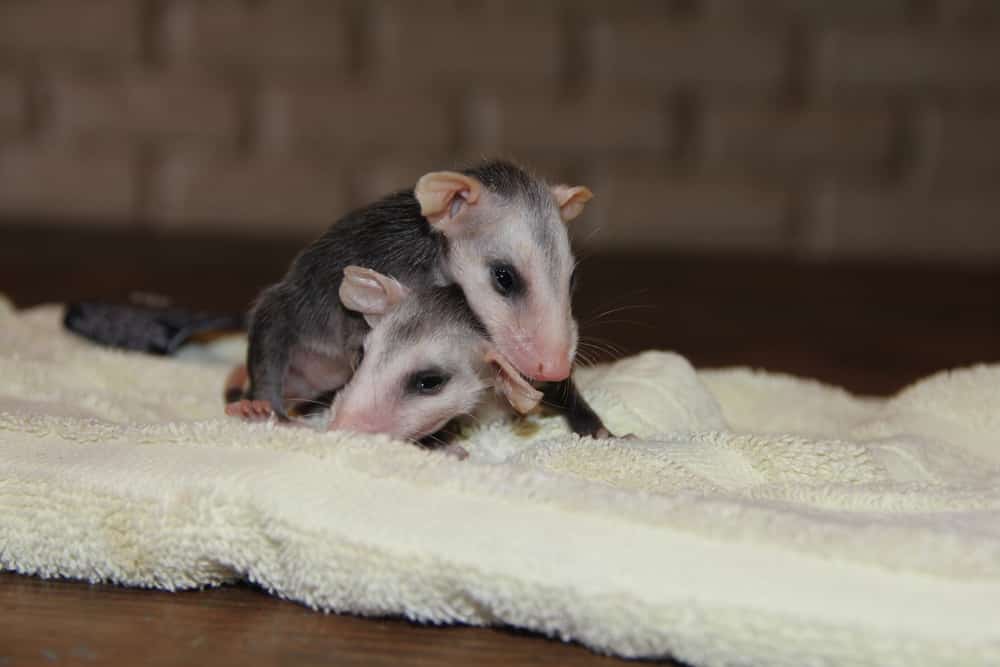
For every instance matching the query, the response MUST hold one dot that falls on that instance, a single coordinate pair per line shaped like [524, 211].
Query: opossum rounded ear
[571, 200]
[370, 293]
[519, 393]
[439, 194]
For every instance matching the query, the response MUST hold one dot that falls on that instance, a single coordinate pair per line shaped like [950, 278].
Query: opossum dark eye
[427, 383]
[505, 279]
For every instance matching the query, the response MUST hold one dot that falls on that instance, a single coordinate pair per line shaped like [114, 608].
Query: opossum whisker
[637, 323]
[632, 298]
[617, 309]
[583, 355]
[593, 343]
[593, 232]
[590, 359]
[603, 347]
[584, 347]
[610, 345]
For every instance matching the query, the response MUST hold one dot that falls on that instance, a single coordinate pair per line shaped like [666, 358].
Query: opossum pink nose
[553, 370]
[547, 364]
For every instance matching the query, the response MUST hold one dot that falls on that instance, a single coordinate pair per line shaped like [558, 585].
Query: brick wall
[815, 128]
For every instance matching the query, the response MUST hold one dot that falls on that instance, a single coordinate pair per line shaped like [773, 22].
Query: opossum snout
[541, 350]
[358, 423]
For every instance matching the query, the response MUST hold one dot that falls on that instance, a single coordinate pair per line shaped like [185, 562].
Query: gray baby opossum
[493, 230]
[427, 360]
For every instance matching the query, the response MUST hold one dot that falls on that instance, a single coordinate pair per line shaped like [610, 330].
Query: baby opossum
[493, 230]
[427, 360]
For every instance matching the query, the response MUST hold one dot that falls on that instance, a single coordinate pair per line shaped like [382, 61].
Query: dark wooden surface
[871, 329]
[60, 622]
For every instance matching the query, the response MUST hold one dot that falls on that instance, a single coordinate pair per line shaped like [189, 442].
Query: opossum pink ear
[370, 293]
[442, 194]
[571, 200]
[518, 391]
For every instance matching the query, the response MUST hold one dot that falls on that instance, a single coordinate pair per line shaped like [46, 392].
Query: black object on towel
[154, 329]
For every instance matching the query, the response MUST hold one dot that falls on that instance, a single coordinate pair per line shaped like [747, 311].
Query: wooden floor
[870, 329]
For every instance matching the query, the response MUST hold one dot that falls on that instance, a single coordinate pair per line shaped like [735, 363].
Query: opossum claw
[250, 410]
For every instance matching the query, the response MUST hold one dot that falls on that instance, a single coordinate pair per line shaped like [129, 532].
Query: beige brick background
[811, 128]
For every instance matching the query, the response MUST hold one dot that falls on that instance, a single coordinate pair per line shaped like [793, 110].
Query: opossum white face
[509, 251]
[426, 360]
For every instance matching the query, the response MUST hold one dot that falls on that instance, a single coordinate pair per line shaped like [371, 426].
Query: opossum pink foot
[249, 410]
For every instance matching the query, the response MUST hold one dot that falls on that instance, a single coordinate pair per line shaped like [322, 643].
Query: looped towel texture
[755, 519]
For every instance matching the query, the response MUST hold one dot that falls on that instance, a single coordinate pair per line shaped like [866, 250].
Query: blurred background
[803, 185]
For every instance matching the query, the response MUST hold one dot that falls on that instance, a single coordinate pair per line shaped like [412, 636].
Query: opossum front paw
[250, 410]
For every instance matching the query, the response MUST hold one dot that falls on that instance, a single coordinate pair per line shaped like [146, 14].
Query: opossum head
[426, 360]
[508, 249]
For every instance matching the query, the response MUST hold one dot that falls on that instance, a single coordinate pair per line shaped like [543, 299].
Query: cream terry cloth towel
[758, 518]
